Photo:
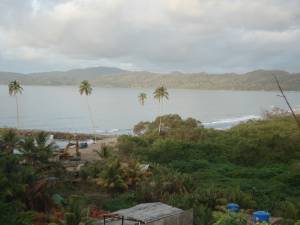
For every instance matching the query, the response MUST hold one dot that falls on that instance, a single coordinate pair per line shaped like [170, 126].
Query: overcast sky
[156, 35]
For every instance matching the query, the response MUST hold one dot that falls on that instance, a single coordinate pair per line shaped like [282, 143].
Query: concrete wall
[184, 218]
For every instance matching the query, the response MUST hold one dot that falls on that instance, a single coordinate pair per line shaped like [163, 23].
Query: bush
[122, 201]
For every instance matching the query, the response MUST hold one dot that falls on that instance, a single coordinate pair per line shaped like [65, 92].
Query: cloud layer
[157, 35]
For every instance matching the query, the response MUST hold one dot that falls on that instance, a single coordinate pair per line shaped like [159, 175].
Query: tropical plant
[27, 148]
[15, 88]
[104, 152]
[232, 219]
[86, 89]
[142, 97]
[75, 215]
[119, 176]
[14, 179]
[160, 94]
[112, 178]
[9, 140]
[37, 150]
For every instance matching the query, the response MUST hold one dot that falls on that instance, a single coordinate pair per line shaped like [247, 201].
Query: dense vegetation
[113, 77]
[255, 164]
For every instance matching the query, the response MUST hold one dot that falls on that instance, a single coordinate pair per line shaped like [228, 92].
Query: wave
[229, 122]
[114, 131]
[218, 124]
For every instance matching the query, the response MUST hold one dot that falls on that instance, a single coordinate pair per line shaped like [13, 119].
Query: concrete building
[155, 213]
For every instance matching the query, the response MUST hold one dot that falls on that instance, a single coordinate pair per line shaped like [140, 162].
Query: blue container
[261, 216]
[233, 207]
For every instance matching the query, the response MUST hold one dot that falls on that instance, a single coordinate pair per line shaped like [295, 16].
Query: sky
[213, 36]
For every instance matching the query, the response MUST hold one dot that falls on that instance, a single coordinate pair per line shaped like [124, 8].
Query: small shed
[155, 213]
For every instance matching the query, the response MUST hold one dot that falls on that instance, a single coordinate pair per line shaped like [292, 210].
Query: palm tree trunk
[18, 114]
[159, 126]
[287, 102]
[161, 112]
[91, 118]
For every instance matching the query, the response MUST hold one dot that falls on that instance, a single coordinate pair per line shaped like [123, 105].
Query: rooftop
[148, 212]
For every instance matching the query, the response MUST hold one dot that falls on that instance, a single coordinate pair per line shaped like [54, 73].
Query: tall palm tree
[160, 94]
[86, 89]
[15, 88]
[142, 97]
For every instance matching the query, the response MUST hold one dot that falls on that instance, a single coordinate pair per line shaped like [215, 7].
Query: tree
[14, 180]
[142, 97]
[9, 141]
[44, 147]
[112, 177]
[37, 150]
[86, 89]
[160, 94]
[14, 88]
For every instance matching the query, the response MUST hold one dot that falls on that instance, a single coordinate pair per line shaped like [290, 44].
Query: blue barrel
[261, 216]
[233, 207]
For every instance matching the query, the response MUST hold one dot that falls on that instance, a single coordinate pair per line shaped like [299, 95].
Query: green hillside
[113, 77]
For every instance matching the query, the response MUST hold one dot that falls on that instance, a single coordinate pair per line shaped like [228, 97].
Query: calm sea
[117, 110]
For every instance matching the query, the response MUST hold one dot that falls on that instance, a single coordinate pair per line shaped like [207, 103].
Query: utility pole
[287, 102]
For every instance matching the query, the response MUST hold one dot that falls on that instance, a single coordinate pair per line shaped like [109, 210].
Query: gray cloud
[161, 35]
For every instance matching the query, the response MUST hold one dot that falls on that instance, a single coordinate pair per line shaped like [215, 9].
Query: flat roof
[148, 212]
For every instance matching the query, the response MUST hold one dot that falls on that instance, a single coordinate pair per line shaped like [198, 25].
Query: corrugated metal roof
[148, 212]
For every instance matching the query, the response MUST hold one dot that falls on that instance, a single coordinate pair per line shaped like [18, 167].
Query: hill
[114, 77]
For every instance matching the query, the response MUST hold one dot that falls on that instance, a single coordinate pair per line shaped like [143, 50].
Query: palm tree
[28, 150]
[14, 88]
[9, 141]
[160, 94]
[37, 150]
[86, 89]
[44, 147]
[142, 97]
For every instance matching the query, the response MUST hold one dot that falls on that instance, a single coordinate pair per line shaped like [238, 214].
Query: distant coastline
[262, 80]
[59, 134]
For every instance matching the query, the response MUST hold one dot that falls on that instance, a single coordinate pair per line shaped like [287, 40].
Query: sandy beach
[89, 153]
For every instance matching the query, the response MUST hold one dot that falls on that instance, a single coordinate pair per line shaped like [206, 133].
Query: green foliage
[37, 152]
[117, 176]
[85, 88]
[111, 178]
[202, 214]
[289, 210]
[121, 201]
[74, 216]
[255, 164]
[163, 183]
[10, 215]
[14, 179]
[232, 219]
[172, 127]
[25, 178]
[9, 141]
[255, 80]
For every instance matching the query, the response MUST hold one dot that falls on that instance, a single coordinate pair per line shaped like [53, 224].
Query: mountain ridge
[115, 77]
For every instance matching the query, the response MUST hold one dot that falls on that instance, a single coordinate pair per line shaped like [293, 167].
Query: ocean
[117, 110]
